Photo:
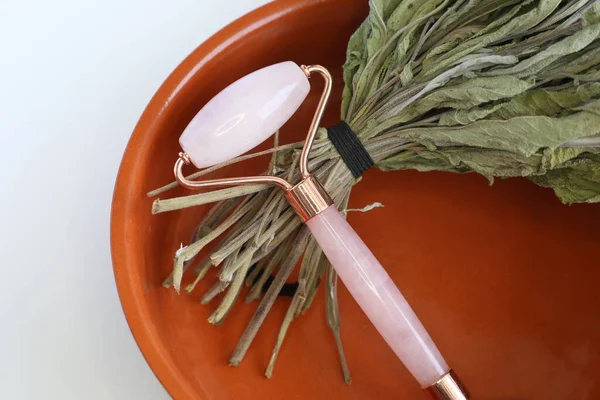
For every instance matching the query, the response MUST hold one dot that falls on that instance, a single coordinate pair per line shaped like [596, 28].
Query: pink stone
[378, 296]
[244, 114]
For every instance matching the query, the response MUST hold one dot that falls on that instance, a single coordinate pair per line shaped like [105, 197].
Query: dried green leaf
[579, 183]
[532, 65]
[518, 24]
[546, 102]
[521, 135]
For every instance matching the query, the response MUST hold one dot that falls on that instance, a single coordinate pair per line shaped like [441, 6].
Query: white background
[75, 76]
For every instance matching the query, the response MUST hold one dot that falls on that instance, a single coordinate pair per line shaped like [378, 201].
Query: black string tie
[350, 148]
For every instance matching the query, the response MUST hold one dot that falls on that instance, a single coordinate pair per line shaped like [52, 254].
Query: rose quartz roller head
[245, 114]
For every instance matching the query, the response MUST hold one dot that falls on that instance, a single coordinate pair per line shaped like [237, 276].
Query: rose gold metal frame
[307, 197]
[447, 388]
[314, 126]
[184, 159]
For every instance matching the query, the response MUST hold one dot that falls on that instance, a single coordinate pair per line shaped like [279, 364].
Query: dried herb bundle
[499, 87]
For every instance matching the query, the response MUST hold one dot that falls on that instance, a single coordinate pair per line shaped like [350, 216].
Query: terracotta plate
[504, 277]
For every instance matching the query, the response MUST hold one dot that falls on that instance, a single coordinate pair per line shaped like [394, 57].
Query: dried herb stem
[267, 302]
[255, 271]
[289, 317]
[234, 289]
[178, 203]
[332, 310]
[185, 254]
[272, 242]
[234, 243]
[200, 272]
[256, 289]
[211, 293]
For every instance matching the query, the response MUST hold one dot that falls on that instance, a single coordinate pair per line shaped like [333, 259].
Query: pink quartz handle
[378, 296]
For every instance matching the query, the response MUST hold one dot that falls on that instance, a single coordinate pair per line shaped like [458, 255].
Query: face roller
[245, 114]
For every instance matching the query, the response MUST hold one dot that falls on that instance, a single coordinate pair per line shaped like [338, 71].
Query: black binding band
[350, 148]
